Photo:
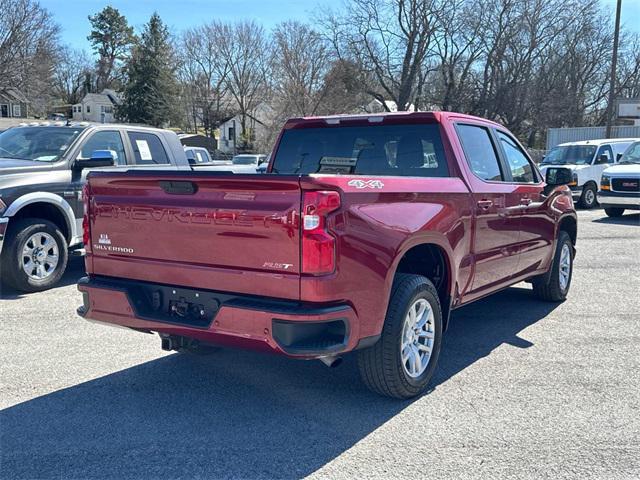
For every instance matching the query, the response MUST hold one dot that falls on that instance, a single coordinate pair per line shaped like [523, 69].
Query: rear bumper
[290, 328]
[628, 200]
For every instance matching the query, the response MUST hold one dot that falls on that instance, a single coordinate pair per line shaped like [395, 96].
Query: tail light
[86, 227]
[318, 245]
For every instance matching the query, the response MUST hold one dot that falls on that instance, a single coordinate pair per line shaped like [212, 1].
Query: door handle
[525, 201]
[485, 204]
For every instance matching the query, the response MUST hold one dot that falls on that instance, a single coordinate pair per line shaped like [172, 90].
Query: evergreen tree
[151, 87]
[111, 38]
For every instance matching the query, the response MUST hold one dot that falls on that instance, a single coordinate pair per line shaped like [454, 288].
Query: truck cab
[587, 160]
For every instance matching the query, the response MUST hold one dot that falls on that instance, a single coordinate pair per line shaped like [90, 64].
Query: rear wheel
[555, 287]
[35, 255]
[402, 362]
[614, 211]
[588, 198]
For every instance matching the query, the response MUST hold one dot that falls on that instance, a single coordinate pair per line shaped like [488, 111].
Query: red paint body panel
[241, 234]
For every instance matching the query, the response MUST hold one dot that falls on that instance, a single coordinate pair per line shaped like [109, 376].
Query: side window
[521, 169]
[105, 140]
[480, 153]
[607, 152]
[148, 149]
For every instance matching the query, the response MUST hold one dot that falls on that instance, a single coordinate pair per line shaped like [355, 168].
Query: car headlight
[3, 206]
[574, 180]
[605, 182]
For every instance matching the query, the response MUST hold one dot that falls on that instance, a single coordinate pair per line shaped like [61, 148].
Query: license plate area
[183, 306]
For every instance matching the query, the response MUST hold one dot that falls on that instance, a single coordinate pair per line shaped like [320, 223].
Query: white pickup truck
[587, 160]
[620, 184]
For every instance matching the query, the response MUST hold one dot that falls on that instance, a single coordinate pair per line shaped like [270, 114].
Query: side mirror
[602, 159]
[558, 176]
[618, 157]
[99, 158]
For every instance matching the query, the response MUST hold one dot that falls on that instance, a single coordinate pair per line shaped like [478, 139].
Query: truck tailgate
[205, 230]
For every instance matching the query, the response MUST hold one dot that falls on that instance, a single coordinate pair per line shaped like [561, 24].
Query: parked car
[197, 156]
[587, 160]
[354, 241]
[42, 171]
[620, 184]
[57, 117]
[248, 159]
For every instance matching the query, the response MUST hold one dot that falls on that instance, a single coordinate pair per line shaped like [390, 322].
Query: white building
[97, 107]
[230, 131]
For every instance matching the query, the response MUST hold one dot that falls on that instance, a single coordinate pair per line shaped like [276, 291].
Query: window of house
[17, 111]
[231, 133]
[105, 140]
[148, 149]
[480, 152]
[521, 169]
[88, 109]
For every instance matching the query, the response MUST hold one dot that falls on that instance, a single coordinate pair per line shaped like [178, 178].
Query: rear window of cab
[381, 150]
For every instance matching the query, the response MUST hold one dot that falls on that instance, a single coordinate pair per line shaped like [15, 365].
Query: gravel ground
[524, 389]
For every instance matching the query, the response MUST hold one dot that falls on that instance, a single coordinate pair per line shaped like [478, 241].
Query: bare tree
[69, 76]
[204, 73]
[246, 52]
[28, 42]
[300, 61]
[390, 40]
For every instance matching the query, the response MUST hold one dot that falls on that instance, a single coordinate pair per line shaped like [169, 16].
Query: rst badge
[360, 184]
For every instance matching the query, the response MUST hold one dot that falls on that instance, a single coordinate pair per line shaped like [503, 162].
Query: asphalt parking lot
[523, 389]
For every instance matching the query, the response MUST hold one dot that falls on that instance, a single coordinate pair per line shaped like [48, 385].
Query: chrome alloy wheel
[40, 256]
[564, 270]
[418, 333]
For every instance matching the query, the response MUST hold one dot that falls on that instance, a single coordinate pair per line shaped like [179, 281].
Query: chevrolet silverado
[364, 234]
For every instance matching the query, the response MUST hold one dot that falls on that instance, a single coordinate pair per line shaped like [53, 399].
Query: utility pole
[612, 80]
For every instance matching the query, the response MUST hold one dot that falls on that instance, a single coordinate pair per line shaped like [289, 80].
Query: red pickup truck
[364, 234]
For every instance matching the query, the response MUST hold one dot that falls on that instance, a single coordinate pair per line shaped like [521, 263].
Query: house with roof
[97, 107]
[229, 134]
[13, 103]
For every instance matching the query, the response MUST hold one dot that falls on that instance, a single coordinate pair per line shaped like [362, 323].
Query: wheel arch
[47, 206]
[432, 257]
[569, 224]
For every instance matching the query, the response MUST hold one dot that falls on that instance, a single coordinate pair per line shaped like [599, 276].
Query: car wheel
[35, 255]
[614, 211]
[555, 286]
[402, 362]
[588, 198]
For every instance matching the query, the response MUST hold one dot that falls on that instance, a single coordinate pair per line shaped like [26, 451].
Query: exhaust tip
[331, 361]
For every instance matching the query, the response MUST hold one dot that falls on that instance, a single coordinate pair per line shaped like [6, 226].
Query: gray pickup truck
[43, 168]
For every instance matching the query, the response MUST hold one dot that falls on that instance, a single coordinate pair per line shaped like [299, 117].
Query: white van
[587, 160]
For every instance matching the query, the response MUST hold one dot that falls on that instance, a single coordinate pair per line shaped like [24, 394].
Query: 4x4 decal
[366, 183]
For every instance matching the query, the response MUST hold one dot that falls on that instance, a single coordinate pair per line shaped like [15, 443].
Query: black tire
[381, 365]
[19, 233]
[549, 288]
[588, 198]
[614, 211]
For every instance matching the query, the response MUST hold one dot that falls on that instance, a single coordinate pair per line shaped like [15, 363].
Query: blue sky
[180, 14]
